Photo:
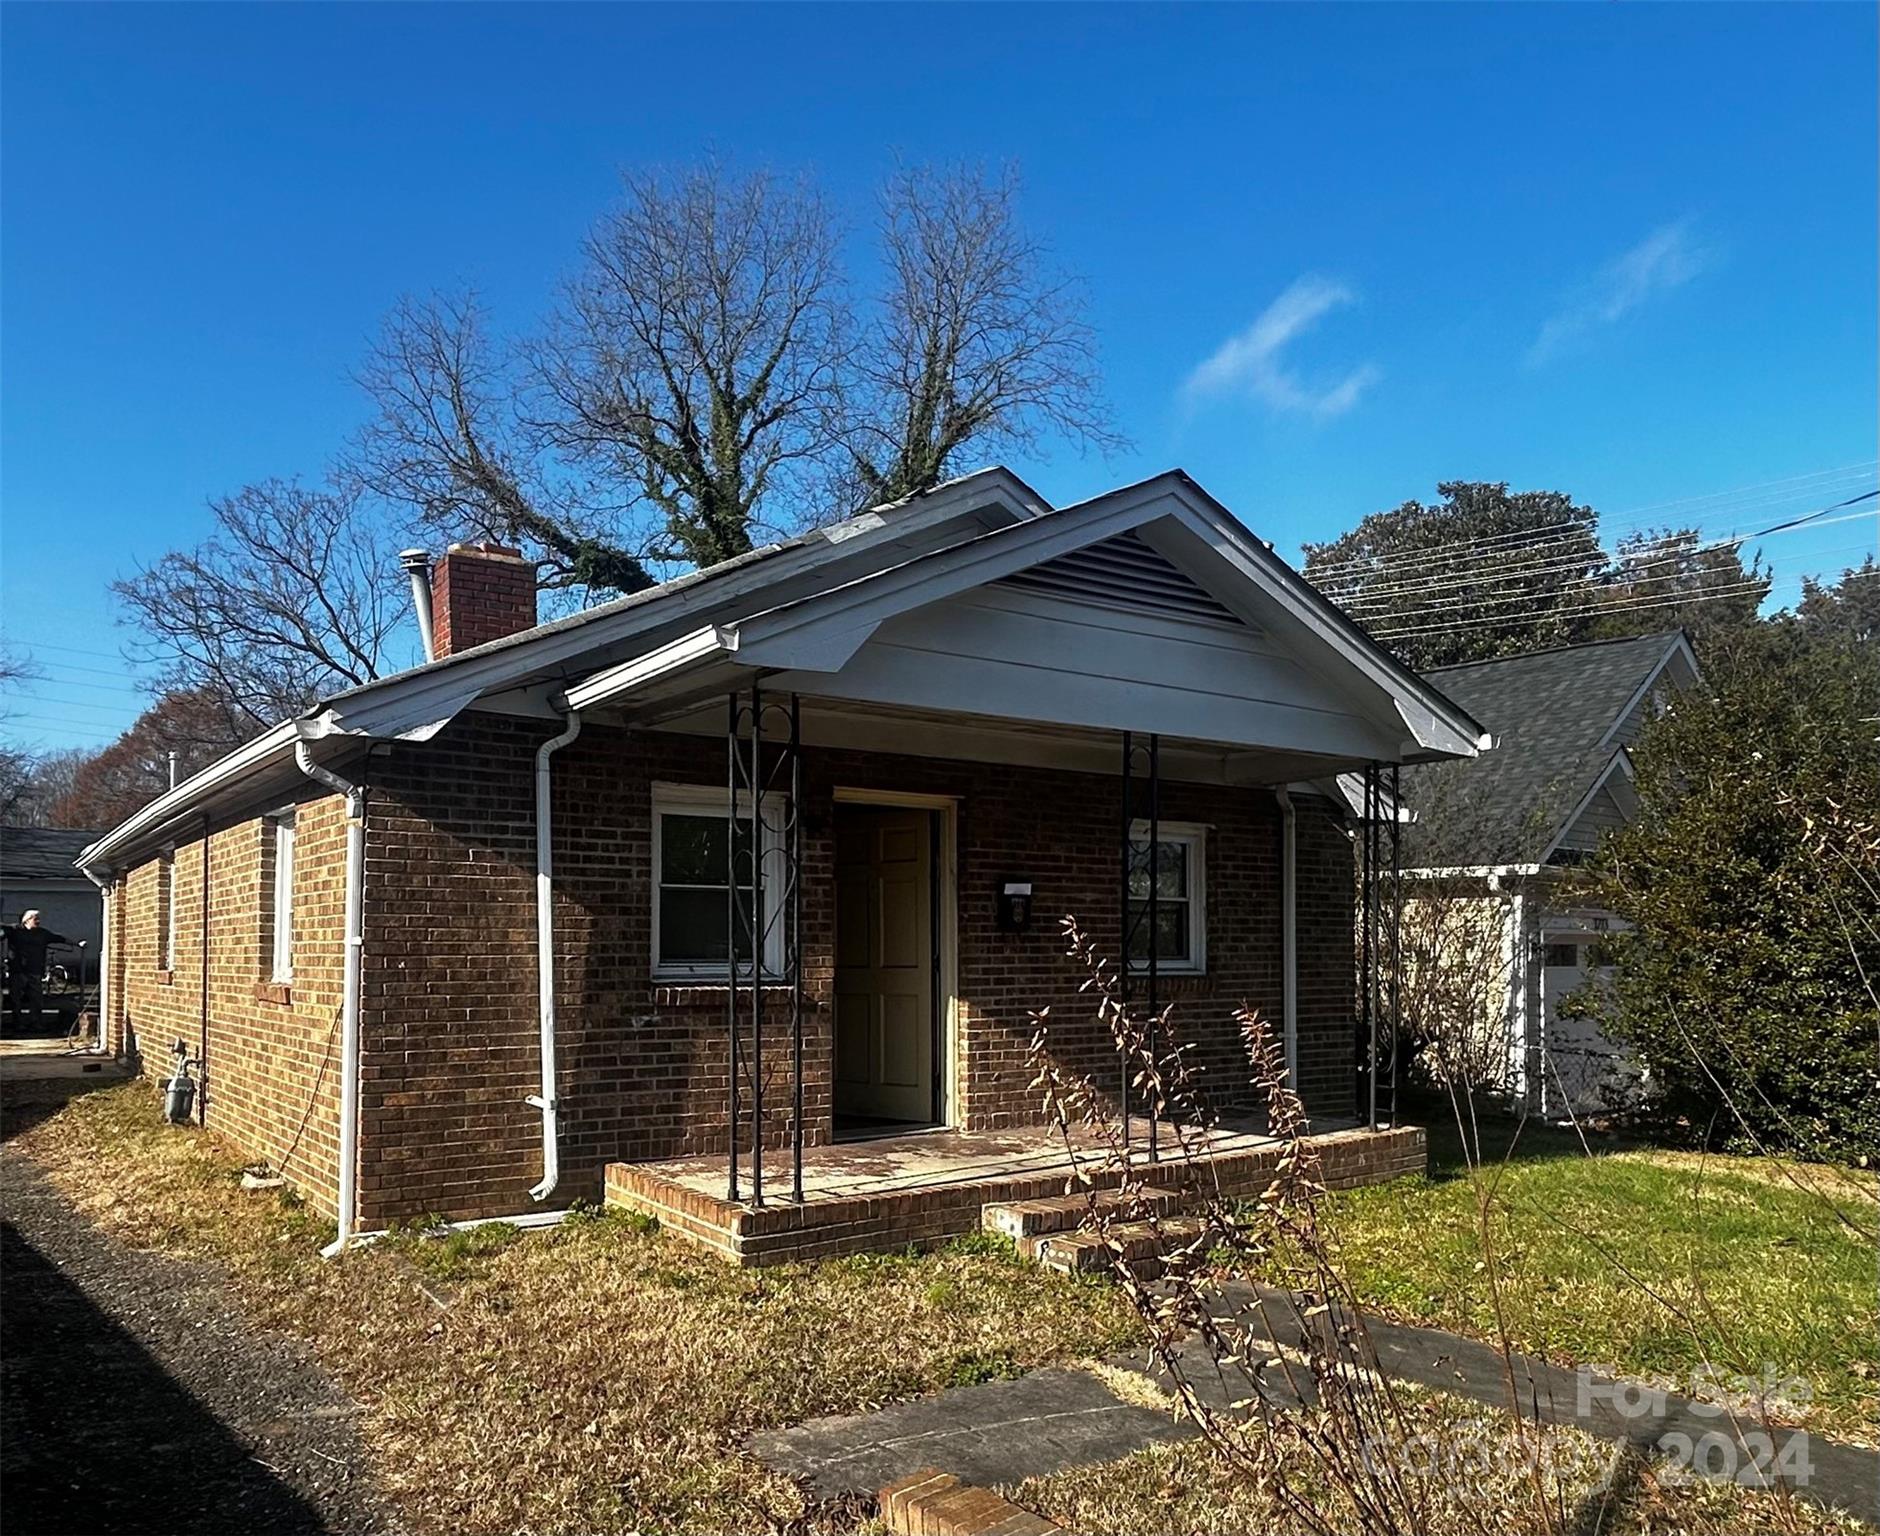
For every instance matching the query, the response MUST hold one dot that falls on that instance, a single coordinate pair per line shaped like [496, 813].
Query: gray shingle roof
[1549, 711]
[41, 853]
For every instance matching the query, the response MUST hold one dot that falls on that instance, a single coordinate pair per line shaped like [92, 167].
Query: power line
[1563, 602]
[72, 682]
[1355, 596]
[72, 666]
[1865, 467]
[58, 703]
[86, 728]
[1591, 611]
[70, 650]
[1599, 610]
[1643, 573]
[1443, 552]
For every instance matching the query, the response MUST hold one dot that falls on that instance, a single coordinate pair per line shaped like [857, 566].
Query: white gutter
[182, 799]
[1472, 871]
[1289, 929]
[545, 958]
[617, 681]
[104, 966]
[349, 993]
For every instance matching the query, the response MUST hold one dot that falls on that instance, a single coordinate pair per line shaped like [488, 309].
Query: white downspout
[349, 992]
[545, 957]
[104, 966]
[1289, 928]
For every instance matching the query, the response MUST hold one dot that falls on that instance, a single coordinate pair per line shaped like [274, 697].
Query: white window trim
[166, 891]
[1194, 836]
[281, 960]
[691, 800]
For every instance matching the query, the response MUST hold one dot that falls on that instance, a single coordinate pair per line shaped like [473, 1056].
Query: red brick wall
[270, 1054]
[480, 592]
[449, 1012]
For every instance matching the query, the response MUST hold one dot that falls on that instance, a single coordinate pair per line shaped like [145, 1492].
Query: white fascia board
[225, 773]
[1436, 725]
[1471, 871]
[1435, 722]
[1618, 774]
[1349, 787]
[415, 705]
[612, 684]
[1680, 651]
[929, 578]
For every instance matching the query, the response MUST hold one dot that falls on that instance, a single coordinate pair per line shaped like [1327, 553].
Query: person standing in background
[27, 943]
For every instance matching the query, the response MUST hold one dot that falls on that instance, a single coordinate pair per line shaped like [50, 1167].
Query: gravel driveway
[133, 1397]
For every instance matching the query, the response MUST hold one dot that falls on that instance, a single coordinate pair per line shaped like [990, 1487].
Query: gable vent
[1126, 574]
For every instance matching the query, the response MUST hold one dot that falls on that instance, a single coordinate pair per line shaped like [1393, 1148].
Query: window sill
[696, 994]
[1172, 984]
[281, 992]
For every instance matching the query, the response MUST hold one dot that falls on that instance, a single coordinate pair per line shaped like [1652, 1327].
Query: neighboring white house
[1511, 824]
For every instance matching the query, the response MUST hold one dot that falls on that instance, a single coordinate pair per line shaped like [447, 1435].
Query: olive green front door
[884, 983]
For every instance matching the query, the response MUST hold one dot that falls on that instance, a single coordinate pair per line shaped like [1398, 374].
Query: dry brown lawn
[595, 1377]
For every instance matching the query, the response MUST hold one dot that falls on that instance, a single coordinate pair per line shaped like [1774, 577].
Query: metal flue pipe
[417, 566]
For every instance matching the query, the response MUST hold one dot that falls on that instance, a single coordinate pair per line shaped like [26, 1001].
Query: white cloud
[1251, 362]
[1669, 257]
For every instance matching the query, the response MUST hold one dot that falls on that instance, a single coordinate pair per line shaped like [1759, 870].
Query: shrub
[1751, 879]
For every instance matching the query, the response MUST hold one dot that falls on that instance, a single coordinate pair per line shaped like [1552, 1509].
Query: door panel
[885, 1067]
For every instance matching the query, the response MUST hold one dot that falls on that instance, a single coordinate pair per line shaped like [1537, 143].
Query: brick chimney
[480, 592]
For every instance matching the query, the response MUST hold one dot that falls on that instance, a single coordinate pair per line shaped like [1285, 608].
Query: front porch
[891, 1192]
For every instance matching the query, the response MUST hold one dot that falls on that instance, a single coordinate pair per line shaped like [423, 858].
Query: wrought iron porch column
[733, 917]
[764, 794]
[1149, 914]
[1380, 946]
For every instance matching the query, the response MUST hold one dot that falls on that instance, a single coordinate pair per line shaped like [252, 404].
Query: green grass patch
[1652, 1262]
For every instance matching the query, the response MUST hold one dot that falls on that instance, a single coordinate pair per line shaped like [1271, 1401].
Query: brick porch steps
[1021, 1219]
[1087, 1253]
[831, 1223]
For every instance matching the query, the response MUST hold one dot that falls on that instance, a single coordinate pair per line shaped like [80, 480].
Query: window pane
[1171, 924]
[691, 926]
[692, 850]
[1171, 870]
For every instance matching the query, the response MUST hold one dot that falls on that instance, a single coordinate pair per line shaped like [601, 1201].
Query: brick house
[564, 958]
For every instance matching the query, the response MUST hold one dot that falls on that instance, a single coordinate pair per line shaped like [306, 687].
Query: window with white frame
[281, 899]
[693, 841]
[166, 907]
[1181, 906]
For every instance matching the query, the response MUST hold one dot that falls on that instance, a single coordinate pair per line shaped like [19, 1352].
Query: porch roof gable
[1283, 668]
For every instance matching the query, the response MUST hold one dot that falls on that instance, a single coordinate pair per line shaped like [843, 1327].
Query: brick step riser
[1021, 1219]
[1086, 1253]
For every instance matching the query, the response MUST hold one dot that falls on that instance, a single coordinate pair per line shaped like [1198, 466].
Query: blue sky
[1334, 254]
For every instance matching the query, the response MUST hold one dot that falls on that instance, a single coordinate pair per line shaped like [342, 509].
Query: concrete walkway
[1004, 1432]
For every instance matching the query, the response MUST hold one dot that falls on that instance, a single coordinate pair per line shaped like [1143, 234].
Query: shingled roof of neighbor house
[41, 853]
[1555, 715]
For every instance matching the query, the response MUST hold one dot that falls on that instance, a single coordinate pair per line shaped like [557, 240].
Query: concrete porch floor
[922, 1188]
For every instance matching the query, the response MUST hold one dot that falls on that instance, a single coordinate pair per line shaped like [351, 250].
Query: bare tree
[106, 787]
[445, 441]
[31, 786]
[287, 600]
[18, 765]
[707, 374]
[977, 340]
[695, 365]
